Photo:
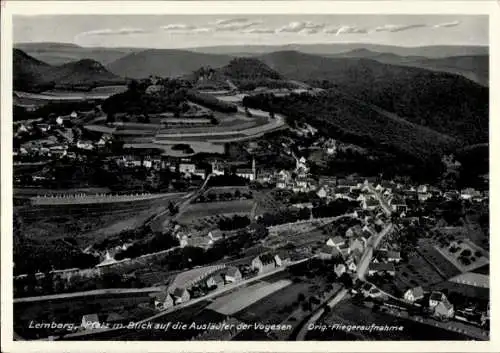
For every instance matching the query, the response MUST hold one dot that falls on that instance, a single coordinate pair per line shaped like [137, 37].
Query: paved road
[312, 320]
[96, 292]
[383, 203]
[373, 243]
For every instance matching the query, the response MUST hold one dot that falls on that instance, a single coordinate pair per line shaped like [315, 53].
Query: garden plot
[464, 254]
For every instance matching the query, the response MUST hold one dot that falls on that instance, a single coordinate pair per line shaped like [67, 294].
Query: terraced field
[200, 210]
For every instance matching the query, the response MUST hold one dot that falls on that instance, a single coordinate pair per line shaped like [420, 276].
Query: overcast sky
[181, 31]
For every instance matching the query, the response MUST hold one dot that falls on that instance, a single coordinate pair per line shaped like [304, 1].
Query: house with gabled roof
[329, 252]
[444, 310]
[354, 231]
[339, 269]
[90, 321]
[180, 295]
[414, 294]
[336, 241]
[358, 243]
[266, 262]
[163, 300]
[435, 298]
[232, 274]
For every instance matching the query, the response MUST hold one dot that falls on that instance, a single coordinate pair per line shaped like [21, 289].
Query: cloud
[229, 21]
[350, 29]
[447, 24]
[202, 30]
[331, 29]
[295, 27]
[112, 32]
[397, 28]
[178, 27]
[309, 31]
[235, 25]
[259, 30]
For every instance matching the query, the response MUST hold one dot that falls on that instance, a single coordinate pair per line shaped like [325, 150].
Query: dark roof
[398, 200]
[393, 254]
[328, 250]
[381, 267]
[436, 296]
[266, 259]
[178, 292]
[232, 271]
[417, 291]
[161, 296]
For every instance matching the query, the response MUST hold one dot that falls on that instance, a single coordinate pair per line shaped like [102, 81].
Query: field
[197, 146]
[245, 297]
[86, 224]
[200, 210]
[109, 89]
[310, 233]
[277, 307]
[445, 268]
[416, 272]
[267, 202]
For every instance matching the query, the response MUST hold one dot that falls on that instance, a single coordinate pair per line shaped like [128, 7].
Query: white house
[187, 168]
[414, 294]
[340, 269]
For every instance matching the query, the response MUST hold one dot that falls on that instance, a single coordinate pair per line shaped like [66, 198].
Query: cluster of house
[27, 126]
[179, 295]
[216, 280]
[297, 180]
[395, 194]
[438, 304]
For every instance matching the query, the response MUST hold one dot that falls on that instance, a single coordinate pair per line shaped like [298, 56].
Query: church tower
[254, 170]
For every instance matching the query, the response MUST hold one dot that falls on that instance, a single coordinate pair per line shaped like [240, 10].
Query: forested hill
[30, 74]
[447, 103]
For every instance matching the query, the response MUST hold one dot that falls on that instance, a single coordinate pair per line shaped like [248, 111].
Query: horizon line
[256, 45]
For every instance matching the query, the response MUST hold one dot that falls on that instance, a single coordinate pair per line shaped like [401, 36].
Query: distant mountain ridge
[447, 103]
[63, 53]
[165, 62]
[32, 74]
[474, 67]
[436, 51]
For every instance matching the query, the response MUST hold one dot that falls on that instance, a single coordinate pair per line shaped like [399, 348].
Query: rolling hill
[30, 74]
[82, 72]
[445, 102]
[26, 70]
[164, 62]
[437, 51]
[63, 53]
[473, 67]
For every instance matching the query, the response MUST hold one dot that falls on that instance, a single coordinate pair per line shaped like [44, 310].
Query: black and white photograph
[250, 177]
